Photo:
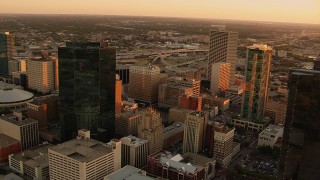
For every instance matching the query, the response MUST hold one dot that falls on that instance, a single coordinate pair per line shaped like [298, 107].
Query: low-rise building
[8, 145]
[188, 167]
[32, 163]
[270, 135]
[173, 134]
[84, 158]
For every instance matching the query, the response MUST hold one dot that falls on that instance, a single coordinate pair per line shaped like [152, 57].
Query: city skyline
[294, 11]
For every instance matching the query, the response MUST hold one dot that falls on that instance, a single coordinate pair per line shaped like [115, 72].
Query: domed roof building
[14, 99]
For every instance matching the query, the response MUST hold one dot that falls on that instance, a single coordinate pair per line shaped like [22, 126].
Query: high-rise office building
[257, 75]
[87, 89]
[150, 128]
[194, 132]
[6, 51]
[301, 139]
[134, 151]
[41, 75]
[221, 77]
[144, 83]
[223, 48]
[84, 158]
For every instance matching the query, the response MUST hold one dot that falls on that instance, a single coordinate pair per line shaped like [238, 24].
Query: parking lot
[269, 167]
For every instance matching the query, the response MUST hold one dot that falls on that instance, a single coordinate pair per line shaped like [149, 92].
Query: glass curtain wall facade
[6, 52]
[87, 89]
[301, 140]
[257, 79]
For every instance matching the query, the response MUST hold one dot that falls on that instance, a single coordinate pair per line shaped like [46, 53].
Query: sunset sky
[304, 11]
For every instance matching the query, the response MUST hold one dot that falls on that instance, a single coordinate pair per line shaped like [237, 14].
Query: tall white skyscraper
[223, 48]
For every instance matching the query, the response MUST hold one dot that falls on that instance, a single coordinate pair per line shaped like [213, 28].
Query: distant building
[20, 128]
[194, 132]
[221, 102]
[32, 163]
[234, 93]
[41, 75]
[134, 151]
[270, 135]
[190, 102]
[169, 95]
[223, 48]
[144, 83]
[178, 114]
[173, 134]
[282, 53]
[220, 79]
[188, 167]
[6, 51]
[8, 145]
[150, 128]
[129, 173]
[127, 123]
[123, 72]
[118, 96]
[276, 110]
[84, 158]
[257, 75]
[44, 109]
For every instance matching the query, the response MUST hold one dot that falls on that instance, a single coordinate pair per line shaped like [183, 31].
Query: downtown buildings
[87, 89]
[301, 137]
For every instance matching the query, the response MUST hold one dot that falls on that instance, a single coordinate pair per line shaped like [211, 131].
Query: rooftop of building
[300, 71]
[182, 79]
[190, 164]
[129, 173]
[133, 141]
[197, 113]
[220, 127]
[173, 129]
[272, 130]
[263, 47]
[196, 159]
[22, 121]
[6, 141]
[34, 157]
[83, 149]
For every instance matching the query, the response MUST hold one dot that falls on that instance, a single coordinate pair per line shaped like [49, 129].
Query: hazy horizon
[287, 11]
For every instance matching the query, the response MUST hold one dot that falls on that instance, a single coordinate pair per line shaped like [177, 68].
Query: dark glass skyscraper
[6, 51]
[87, 89]
[301, 140]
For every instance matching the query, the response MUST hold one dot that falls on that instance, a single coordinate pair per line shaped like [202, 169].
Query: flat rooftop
[133, 141]
[14, 120]
[173, 129]
[83, 150]
[128, 173]
[6, 141]
[34, 157]
[196, 159]
[271, 130]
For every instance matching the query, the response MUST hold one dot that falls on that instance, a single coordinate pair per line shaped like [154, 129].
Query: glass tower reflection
[87, 89]
[301, 140]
